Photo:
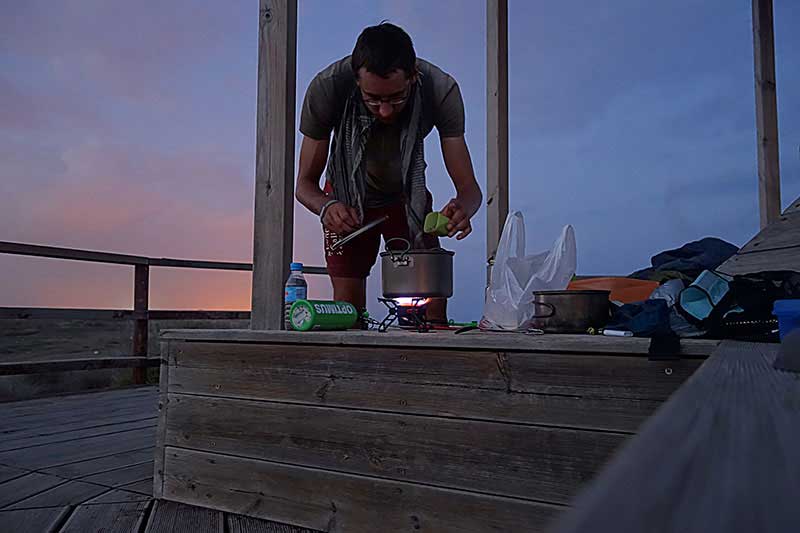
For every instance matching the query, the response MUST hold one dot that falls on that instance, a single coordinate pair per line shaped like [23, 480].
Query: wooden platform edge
[473, 341]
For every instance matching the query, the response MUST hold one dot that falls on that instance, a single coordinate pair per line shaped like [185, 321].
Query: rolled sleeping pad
[308, 315]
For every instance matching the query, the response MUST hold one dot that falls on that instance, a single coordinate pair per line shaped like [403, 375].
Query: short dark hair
[382, 49]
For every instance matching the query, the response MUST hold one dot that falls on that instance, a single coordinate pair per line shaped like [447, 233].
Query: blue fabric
[689, 260]
[644, 319]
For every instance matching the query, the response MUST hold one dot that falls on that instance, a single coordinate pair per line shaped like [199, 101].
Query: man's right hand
[341, 219]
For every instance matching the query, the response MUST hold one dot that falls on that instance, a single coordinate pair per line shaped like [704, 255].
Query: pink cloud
[194, 205]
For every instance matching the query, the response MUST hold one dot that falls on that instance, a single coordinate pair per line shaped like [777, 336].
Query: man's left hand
[459, 219]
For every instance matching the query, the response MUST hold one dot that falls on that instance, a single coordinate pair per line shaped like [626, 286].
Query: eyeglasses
[375, 103]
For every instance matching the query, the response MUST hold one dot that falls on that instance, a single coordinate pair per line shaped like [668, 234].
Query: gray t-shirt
[324, 103]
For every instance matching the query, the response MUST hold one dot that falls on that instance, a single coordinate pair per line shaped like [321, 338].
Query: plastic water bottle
[296, 289]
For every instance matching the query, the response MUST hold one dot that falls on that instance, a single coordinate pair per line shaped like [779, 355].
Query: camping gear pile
[695, 299]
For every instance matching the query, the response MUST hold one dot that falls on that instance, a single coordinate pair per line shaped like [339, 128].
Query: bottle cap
[296, 266]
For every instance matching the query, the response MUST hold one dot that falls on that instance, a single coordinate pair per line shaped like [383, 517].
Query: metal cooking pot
[570, 311]
[416, 273]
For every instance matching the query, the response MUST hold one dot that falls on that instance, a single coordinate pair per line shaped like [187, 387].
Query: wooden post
[141, 297]
[769, 178]
[496, 122]
[274, 193]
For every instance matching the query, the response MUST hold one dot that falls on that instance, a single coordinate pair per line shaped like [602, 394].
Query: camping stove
[408, 312]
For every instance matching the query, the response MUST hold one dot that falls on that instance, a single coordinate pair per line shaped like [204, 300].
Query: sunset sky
[129, 127]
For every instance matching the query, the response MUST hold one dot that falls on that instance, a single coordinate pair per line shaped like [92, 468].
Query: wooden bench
[360, 431]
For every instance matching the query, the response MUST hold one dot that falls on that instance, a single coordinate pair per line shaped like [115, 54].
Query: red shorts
[356, 258]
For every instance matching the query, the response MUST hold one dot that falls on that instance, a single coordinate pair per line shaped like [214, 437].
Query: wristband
[325, 208]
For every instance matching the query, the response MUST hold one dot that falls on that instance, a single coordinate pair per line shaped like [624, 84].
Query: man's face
[385, 97]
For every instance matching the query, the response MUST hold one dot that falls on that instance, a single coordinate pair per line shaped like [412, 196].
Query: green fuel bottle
[308, 315]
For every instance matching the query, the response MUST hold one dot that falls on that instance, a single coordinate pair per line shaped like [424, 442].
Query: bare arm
[468, 194]
[313, 156]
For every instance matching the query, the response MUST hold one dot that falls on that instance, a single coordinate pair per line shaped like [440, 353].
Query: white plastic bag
[515, 276]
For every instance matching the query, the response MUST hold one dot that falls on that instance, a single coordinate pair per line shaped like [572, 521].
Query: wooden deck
[721, 455]
[84, 463]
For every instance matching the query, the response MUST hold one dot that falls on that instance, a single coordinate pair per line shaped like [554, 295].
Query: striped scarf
[347, 172]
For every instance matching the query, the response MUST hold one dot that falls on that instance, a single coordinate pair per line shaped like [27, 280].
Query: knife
[359, 231]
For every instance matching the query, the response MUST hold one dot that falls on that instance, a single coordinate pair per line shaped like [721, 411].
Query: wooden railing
[140, 314]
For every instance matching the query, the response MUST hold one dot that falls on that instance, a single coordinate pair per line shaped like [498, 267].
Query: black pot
[570, 311]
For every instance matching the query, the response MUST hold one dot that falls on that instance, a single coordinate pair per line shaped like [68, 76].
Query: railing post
[273, 218]
[141, 292]
[496, 123]
[769, 172]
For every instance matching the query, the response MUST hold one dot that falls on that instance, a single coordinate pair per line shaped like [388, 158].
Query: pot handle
[395, 255]
[545, 304]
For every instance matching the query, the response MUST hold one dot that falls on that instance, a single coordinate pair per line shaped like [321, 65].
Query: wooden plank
[123, 476]
[67, 493]
[496, 122]
[473, 341]
[33, 520]
[245, 524]
[197, 315]
[64, 365]
[769, 178]
[224, 265]
[781, 259]
[331, 501]
[113, 512]
[31, 442]
[68, 429]
[597, 375]
[207, 265]
[119, 496]
[85, 403]
[168, 351]
[49, 313]
[79, 450]
[91, 414]
[8, 473]
[33, 424]
[23, 487]
[721, 455]
[173, 517]
[578, 375]
[38, 340]
[405, 365]
[784, 232]
[142, 487]
[530, 462]
[141, 298]
[477, 403]
[67, 402]
[274, 194]
[55, 252]
[108, 463]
